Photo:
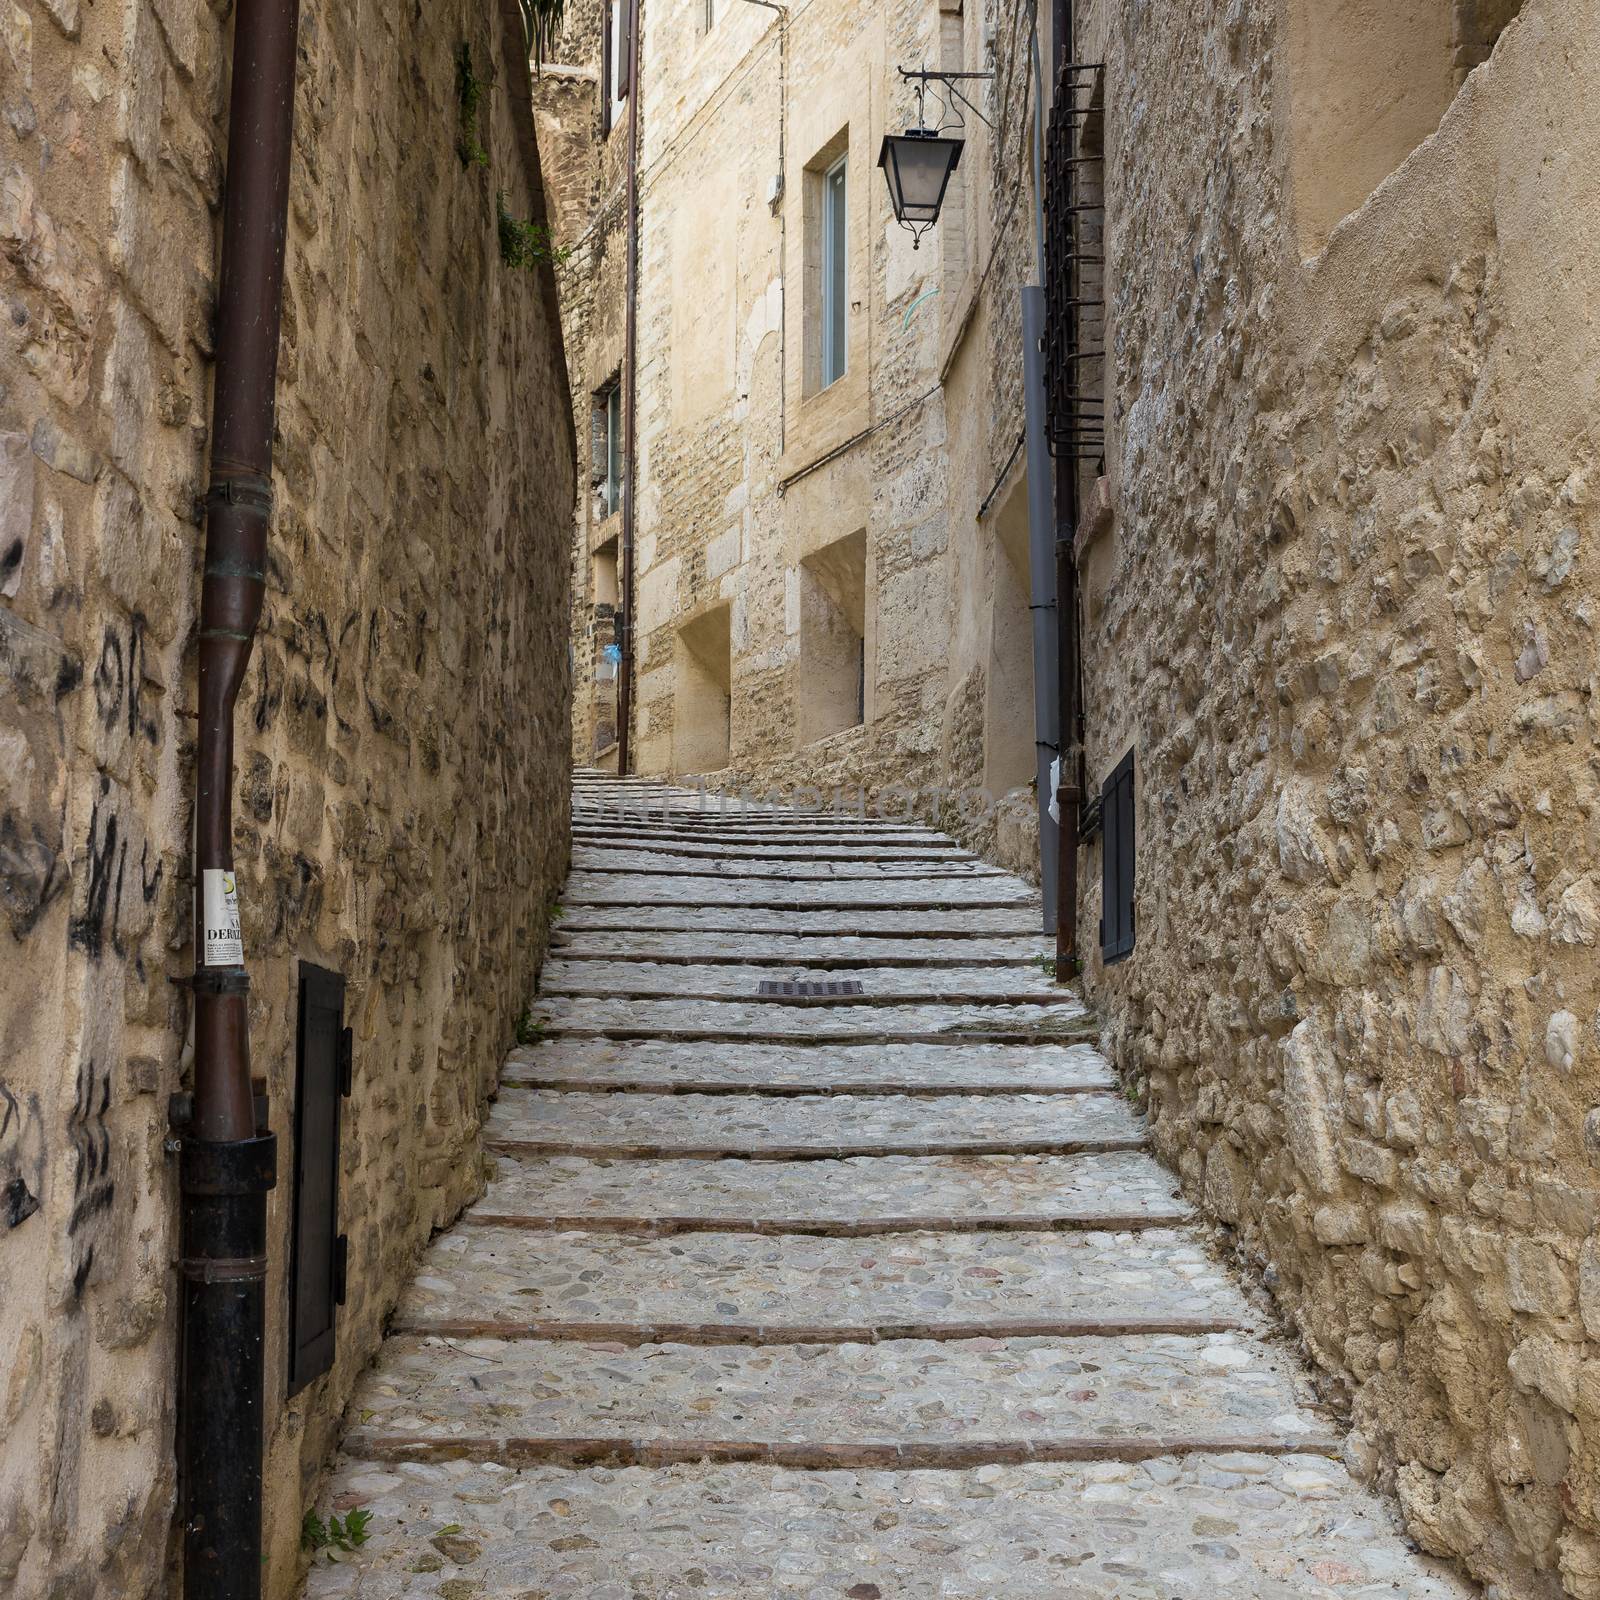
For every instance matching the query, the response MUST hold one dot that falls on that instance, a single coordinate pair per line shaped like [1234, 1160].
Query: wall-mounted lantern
[918, 164]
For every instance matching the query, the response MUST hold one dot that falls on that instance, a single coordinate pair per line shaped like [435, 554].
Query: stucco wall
[402, 734]
[1345, 616]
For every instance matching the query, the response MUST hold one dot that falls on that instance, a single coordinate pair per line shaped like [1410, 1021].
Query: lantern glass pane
[918, 166]
[924, 166]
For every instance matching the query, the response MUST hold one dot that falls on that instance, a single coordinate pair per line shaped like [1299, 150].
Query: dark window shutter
[1116, 855]
[317, 1256]
[607, 45]
[625, 45]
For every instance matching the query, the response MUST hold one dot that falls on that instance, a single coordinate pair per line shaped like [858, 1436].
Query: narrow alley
[822, 1256]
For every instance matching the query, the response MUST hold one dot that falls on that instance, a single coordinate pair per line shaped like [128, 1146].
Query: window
[1116, 863]
[607, 449]
[833, 647]
[615, 61]
[834, 324]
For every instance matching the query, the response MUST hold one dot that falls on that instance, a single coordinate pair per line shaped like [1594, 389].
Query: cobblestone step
[913, 1402]
[863, 1019]
[605, 848]
[867, 1195]
[1235, 1527]
[730, 1289]
[823, 951]
[905, 894]
[731, 840]
[797, 1128]
[1022, 984]
[972, 923]
[659, 1067]
[694, 1341]
[637, 866]
[691, 822]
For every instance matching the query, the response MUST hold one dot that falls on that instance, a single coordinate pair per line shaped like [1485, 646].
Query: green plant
[530, 1029]
[469, 97]
[344, 1534]
[541, 21]
[525, 244]
[557, 911]
[1046, 964]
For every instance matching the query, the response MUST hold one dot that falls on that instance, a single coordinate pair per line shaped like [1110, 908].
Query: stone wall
[586, 171]
[1344, 614]
[402, 734]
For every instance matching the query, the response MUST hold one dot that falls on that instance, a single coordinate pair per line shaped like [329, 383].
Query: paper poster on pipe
[219, 918]
[1055, 790]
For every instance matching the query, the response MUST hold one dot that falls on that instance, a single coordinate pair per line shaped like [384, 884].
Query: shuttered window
[317, 1256]
[1117, 856]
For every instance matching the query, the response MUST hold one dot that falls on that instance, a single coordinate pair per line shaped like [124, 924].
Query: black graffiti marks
[21, 1159]
[93, 1188]
[99, 922]
[119, 678]
[32, 874]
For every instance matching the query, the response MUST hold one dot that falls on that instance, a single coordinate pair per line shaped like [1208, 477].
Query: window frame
[834, 299]
[615, 61]
[611, 460]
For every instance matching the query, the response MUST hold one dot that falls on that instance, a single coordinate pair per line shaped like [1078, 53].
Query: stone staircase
[865, 1288]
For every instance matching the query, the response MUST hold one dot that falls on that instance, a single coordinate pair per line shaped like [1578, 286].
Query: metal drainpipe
[1041, 527]
[1070, 792]
[630, 401]
[227, 1162]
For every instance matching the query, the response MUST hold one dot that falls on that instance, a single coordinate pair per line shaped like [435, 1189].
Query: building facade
[830, 582]
[1323, 379]
[401, 741]
[1339, 585]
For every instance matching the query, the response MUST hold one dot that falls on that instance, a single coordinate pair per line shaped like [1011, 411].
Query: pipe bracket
[237, 1269]
[221, 980]
[246, 489]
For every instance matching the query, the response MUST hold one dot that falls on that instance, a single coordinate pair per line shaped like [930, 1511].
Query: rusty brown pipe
[630, 401]
[238, 509]
[227, 1163]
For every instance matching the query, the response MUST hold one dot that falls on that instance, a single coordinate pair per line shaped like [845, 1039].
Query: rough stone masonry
[1344, 614]
[402, 735]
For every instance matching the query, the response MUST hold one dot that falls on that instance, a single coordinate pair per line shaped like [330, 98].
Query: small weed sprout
[525, 244]
[338, 1535]
[469, 97]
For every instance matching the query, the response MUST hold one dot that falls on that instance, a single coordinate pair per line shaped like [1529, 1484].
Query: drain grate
[807, 991]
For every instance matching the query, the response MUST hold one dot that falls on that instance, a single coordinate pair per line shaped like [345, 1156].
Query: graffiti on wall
[21, 1158]
[93, 1188]
[111, 889]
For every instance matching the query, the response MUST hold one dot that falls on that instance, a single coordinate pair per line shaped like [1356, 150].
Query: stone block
[1537, 1280]
[1370, 1162]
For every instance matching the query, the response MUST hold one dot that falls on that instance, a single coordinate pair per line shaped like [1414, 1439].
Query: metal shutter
[317, 1255]
[1116, 825]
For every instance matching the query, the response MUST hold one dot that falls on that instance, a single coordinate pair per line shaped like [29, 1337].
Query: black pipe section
[228, 1165]
[630, 402]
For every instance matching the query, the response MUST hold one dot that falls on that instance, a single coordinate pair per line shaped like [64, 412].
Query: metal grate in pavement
[806, 991]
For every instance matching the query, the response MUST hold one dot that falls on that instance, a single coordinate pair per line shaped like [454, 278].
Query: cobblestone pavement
[859, 1295]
